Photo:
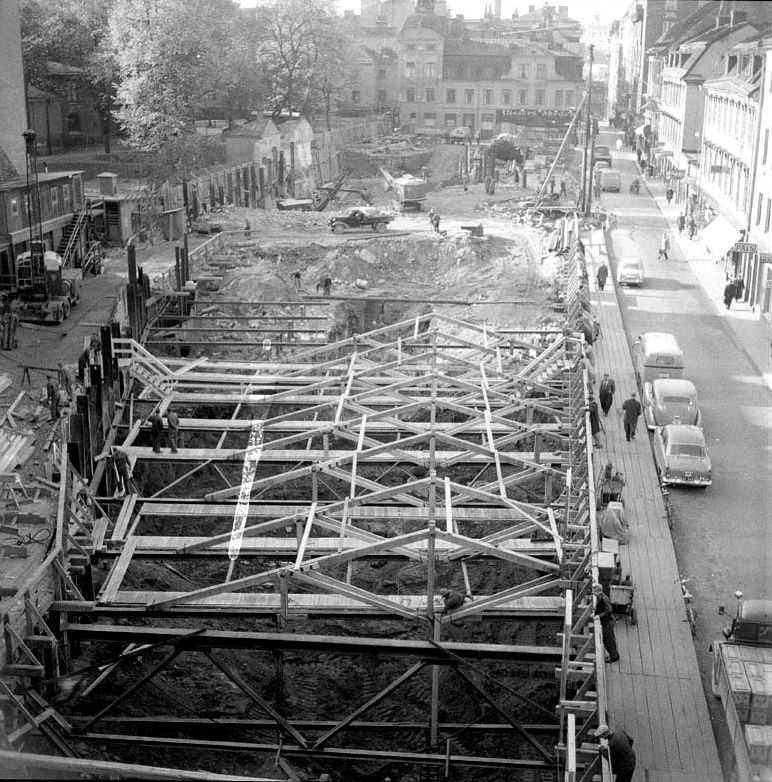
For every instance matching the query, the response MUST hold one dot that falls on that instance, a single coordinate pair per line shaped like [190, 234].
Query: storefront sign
[541, 118]
[677, 173]
[744, 247]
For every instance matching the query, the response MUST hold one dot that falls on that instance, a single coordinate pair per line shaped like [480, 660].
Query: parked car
[630, 271]
[681, 456]
[360, 217]
[460, 135]
[668, 399]
[602, 153]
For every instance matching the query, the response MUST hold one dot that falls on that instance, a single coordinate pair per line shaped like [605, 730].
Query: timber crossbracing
[302, 493]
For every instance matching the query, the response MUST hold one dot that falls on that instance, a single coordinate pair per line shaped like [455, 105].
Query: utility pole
[585, 162]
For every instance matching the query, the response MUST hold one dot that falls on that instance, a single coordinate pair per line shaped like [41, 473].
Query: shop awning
[720, 236]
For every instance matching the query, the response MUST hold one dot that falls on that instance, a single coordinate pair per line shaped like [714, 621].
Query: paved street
[721, 535]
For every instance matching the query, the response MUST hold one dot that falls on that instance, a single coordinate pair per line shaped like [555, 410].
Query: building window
[66, 199]
[382, 97]
[410, 95]
[410, 70]
[541, 71]
[569, 97]
[355, 96]
[450, 97]
[758, 209]
[430, 98]
[450, 120]
[72, 93]
[431, 70]
[487, 97]
[766, 145]
[769, 212]
[558, 97]
[506, 97]
[410, 47]
[460, 71]
[54, 199]
[14, 207]
[469, 97]
[539, 97]
[523, 70]
[430, 119]
[523, 97]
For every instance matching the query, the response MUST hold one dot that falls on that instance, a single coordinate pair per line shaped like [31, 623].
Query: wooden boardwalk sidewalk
[655, 691]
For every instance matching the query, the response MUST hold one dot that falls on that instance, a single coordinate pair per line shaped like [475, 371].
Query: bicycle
[668, 508]
[691, 612]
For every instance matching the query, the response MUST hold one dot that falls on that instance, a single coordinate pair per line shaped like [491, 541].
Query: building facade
[13, 121]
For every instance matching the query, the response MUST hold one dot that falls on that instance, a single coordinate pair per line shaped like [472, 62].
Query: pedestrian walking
[552, 185]
[247, 229]
[681, 223]
[64, 378]
[52, 396]
[436, 222]
[296, 279]
[431, 218]
[619, 751]
[669, 194]
[605, 612]
[602, 276]
[664, 247]
[619, 145]
[606, 393]
[156, 429]
[739, 288]
[729, 293]
[563, 191]
[326, 286]
[632, 410]
[691, 226]
[173, 425]
[595, 426]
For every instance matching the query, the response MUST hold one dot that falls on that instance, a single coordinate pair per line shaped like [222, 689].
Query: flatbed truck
[742, 679]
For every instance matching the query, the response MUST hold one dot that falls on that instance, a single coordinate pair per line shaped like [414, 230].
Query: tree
[304, 54]
[70, 33]
[171, 55]
[503, 148]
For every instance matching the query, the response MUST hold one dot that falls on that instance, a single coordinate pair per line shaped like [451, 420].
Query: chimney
[108, 183]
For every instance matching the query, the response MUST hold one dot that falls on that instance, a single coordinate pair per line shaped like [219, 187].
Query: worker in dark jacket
[619, 751]
[156, 429]
[632, 410]
[52, 395]
[605, 612]
[602, 276]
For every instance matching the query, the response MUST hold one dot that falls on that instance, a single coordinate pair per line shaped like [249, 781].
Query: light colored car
[667, 401]
[681, 456]
[630, 271]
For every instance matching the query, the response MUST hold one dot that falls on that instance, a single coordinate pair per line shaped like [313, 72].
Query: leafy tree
[503, 148]
[171, 55]
[304, 54]
[68, 32]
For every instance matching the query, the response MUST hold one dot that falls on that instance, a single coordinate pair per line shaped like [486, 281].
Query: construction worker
[156, 429]
[173, 422]
[52, 395]
[83, 361]
[123, 468]
[64, 376]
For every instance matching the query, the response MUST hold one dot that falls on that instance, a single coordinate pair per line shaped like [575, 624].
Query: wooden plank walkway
[655, 691]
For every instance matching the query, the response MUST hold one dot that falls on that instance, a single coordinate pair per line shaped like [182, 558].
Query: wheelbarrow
[622, 597]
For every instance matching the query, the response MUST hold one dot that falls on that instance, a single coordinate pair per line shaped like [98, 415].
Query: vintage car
[360, 217]
[630, 271]
[460, 135]
[665, 399]
[602, 154]
[681, 456]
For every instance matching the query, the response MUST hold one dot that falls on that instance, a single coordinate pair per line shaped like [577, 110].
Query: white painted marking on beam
[251, 458]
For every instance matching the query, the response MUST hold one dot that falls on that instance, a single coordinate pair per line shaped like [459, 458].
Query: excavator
[44, 292]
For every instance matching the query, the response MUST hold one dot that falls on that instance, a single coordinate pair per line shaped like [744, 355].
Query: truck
[42, 290]
[742, 678]
[360, 217]
[609, 179]
[45, 292]
[410, 190]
